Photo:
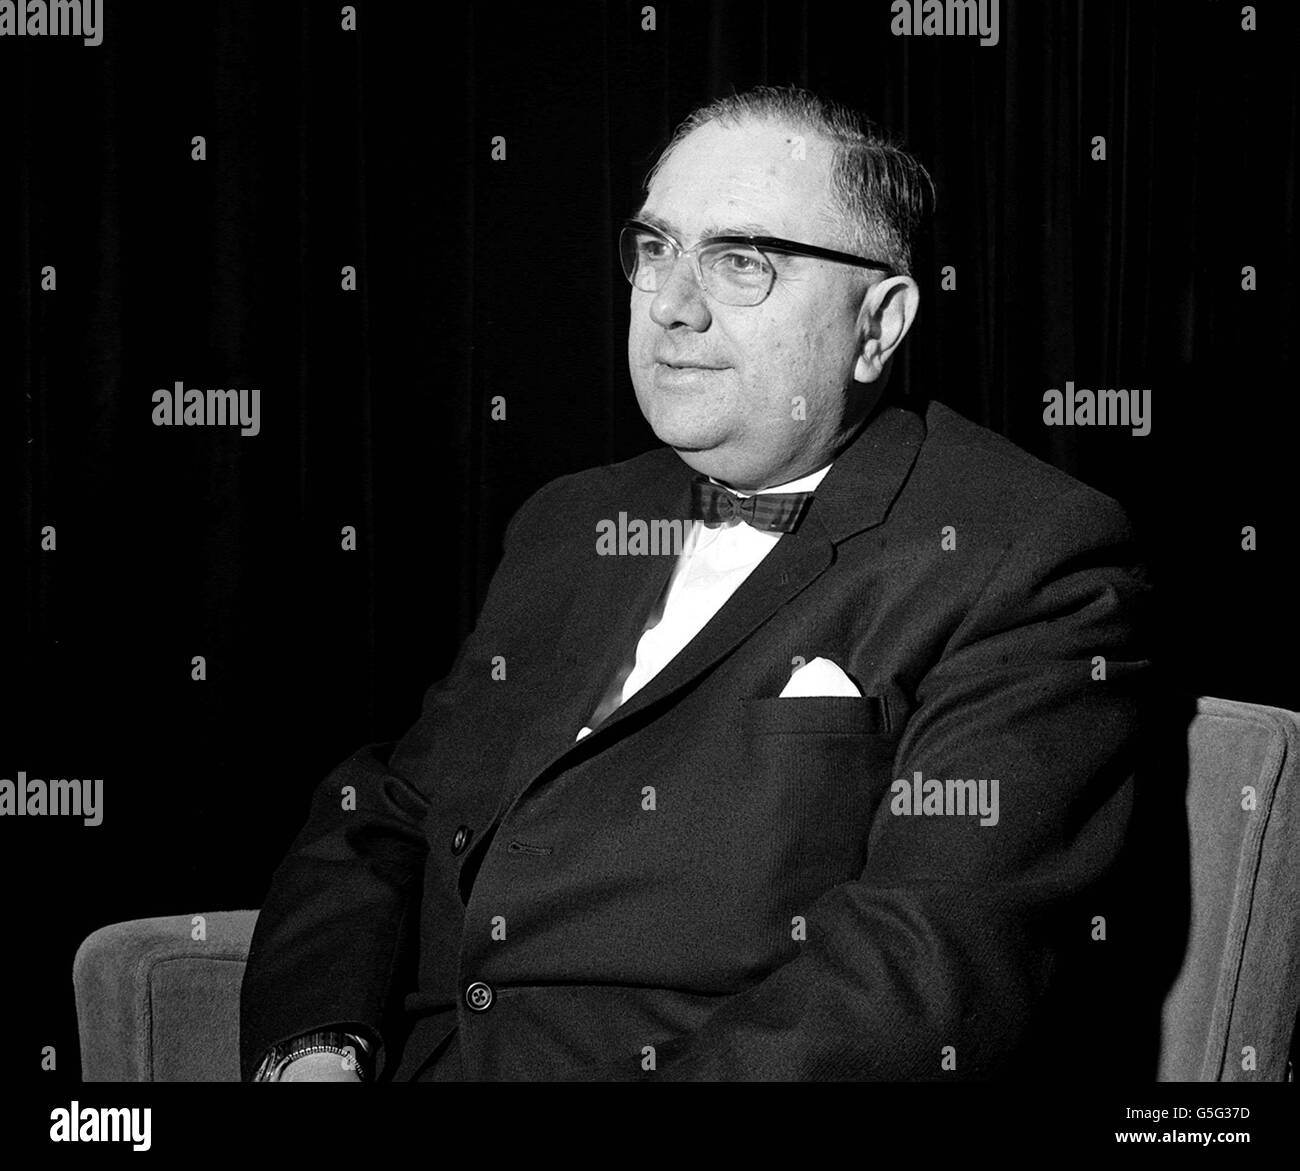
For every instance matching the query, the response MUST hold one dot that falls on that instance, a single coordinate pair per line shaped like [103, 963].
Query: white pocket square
[818, 677]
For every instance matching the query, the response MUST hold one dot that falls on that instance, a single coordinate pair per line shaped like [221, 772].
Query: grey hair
[881, 195]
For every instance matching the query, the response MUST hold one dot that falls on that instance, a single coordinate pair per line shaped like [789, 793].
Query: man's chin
[687, 440]
[679, 431]
[708, 458]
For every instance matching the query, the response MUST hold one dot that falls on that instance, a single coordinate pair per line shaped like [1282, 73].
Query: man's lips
[677, 364]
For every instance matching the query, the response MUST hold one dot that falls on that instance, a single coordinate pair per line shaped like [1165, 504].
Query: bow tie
[772, 512]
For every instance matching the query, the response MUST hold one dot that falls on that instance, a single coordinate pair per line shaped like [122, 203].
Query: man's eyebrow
[736, 230]
[745, 229]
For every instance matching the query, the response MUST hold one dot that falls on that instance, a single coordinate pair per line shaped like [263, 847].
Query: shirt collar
[802, 484]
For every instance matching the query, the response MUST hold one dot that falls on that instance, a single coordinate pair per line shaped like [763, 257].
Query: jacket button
[479, 996]
[460, 839]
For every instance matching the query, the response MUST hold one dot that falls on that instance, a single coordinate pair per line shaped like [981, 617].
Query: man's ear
[888, 310]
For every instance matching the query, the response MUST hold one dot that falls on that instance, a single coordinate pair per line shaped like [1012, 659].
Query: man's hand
[321, 1067]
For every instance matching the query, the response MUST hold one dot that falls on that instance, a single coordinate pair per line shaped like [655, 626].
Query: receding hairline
[828, 210]
[738, 121]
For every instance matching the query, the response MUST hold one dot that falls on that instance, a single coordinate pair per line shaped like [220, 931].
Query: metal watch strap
[346, 1045]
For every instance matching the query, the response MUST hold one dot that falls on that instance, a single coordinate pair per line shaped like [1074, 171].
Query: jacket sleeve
[329, 936]
[935, 963]
[336, 931]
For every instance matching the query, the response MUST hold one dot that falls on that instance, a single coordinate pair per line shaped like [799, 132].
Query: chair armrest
[156, 1004]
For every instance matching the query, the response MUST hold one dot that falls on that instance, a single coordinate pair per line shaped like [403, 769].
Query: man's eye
[742, 264]
[652, 249]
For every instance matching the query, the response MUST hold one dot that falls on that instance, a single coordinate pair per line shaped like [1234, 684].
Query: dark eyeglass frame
[761, 243]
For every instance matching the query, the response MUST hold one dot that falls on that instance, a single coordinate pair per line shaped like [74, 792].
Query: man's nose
[680, 300]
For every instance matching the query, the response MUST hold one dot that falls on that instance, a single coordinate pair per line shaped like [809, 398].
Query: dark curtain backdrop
[478, 278]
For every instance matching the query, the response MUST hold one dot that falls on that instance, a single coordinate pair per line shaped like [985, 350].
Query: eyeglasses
[734, 270]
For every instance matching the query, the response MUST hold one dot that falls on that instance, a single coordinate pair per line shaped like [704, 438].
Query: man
[830, 791]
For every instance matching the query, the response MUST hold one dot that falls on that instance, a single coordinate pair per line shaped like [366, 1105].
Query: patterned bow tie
[773, 512]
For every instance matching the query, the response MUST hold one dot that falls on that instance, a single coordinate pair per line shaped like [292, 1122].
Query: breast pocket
[847, 714]
[813, 771]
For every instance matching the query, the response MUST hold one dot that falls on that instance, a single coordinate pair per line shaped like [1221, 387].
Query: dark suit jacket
[713, 884]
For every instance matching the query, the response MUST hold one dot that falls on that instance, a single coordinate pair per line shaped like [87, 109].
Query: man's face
[752, 395]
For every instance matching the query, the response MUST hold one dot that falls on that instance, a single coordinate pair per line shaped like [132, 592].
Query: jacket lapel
[855, 495]
[798, 559]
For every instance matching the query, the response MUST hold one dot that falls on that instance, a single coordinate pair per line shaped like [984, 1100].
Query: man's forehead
[751, 179]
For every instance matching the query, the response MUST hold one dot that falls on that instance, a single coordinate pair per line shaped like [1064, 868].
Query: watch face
[352, 1050]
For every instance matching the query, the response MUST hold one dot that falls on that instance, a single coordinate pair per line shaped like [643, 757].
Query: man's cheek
[639, 330]
[643, 356]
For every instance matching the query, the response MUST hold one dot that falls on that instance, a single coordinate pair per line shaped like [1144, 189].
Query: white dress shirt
[710, 568]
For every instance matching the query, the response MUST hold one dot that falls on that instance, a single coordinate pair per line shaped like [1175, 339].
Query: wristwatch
[352, 1049]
